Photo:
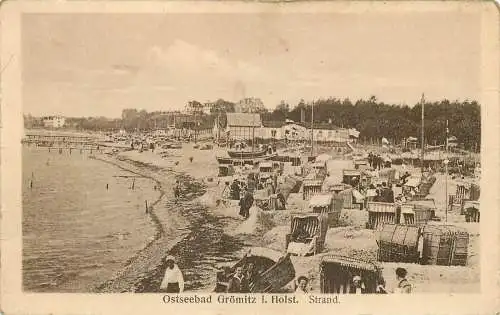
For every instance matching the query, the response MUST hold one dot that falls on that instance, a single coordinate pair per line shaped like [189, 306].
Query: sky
[99, 64]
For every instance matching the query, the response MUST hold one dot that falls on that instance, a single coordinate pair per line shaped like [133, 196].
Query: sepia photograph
[290, 153]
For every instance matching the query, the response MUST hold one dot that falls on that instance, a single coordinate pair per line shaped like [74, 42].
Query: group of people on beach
[358, 285]
[375, 161]
[381, 193]
[243, 278]
[244, 191]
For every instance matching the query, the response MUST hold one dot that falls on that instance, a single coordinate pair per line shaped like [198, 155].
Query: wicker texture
[271, 276]
[326, 204]
[398, 243]
[310, 188]
[416, 214]
[348, 198]
[316, 225]
[445, 245]
[336, 273]
[274, 278]
[380, 213]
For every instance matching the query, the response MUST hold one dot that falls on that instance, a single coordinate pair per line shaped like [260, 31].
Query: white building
[323, 132]
[271, 130]
[54, 121]
[244, 126]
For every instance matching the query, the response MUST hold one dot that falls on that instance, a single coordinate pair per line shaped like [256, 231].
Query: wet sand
[190, 229]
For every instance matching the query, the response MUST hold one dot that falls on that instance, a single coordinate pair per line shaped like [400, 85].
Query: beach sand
[268, 229]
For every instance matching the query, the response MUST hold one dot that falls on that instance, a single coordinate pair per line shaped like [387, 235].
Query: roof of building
[273, 124]
[243, 119]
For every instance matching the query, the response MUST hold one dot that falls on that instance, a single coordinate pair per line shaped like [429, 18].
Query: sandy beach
[263, 228]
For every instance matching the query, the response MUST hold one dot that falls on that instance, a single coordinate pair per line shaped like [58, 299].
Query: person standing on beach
[235, 190]
[251, 182]
[177, 190]
[173, 280]
[245, 204]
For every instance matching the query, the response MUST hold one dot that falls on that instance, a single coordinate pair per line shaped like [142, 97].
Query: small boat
[271, 271]
[245, 154]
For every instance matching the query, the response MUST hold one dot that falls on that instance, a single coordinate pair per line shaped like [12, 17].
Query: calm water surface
[77, 233]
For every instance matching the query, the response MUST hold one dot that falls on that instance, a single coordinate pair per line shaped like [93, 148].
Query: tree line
[372, 118]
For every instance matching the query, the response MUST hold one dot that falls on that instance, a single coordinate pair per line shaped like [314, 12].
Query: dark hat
[302, 278]
[401, 272]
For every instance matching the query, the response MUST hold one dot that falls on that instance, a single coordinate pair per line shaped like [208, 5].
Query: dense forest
[373, 119]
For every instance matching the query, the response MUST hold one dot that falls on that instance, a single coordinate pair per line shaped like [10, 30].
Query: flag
[353, 133]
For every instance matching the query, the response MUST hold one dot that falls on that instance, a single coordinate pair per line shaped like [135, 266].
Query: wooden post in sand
[146, 202]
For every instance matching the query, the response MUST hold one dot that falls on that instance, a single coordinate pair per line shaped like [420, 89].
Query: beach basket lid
[444, 229]
[350, 262]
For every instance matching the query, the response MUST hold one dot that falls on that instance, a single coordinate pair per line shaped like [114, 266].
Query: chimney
[302, 115]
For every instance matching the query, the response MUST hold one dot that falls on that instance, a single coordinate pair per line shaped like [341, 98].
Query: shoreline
[123, 241]
[142, 271]
[156, 222]
[150, 258]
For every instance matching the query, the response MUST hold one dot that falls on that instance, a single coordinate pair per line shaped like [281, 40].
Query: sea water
[81, 219]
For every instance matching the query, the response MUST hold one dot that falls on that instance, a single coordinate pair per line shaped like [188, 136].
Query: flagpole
[446, 176]
[312, 129]
[423, 142]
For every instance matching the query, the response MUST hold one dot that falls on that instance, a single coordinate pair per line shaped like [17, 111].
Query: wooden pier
[60, 143]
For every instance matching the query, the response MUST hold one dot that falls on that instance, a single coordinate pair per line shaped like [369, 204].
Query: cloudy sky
[99, 64]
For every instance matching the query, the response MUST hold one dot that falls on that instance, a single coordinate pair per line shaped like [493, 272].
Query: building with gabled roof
[242, 126]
